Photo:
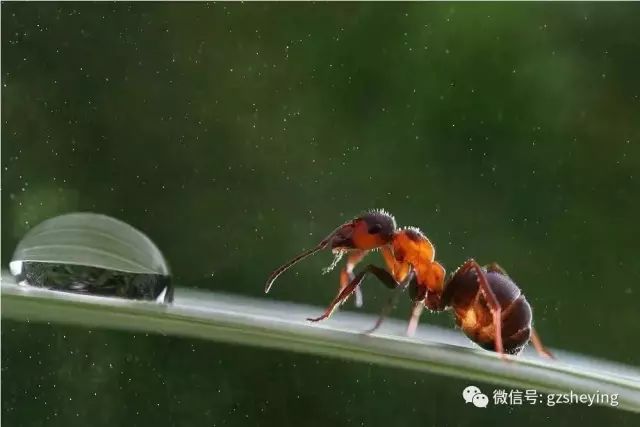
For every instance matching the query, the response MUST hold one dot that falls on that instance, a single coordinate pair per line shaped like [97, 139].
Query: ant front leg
[347, 276]
[490, 297]
[381, 273]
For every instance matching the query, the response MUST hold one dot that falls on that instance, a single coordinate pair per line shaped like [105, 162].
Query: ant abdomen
[473, 314]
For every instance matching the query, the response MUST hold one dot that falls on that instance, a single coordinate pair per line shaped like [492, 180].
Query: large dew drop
[93, 254]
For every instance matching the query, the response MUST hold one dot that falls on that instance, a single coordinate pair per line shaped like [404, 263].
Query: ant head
[369, 231]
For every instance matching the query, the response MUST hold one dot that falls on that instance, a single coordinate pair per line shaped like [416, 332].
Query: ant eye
[375, 228]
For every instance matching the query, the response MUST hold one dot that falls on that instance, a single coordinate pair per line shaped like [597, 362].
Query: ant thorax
[410, 245]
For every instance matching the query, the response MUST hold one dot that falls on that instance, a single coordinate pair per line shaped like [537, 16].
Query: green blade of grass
[266, 323]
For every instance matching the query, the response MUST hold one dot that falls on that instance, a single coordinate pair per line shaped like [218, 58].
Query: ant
[488, 306]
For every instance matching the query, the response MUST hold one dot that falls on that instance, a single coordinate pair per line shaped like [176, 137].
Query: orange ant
[488, 306]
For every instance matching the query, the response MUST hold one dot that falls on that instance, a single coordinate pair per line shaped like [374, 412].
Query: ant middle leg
[416, 312]
[418, 295]
[387, 280]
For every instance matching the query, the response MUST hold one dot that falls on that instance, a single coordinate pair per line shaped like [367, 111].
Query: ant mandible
[488, 306]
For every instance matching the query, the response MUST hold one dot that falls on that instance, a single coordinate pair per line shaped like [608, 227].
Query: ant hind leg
[537, 344]
[492, 301]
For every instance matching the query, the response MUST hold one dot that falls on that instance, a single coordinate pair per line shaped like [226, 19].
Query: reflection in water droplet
[96, 281]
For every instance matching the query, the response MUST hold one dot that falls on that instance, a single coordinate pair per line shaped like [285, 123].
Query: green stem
[265, 323]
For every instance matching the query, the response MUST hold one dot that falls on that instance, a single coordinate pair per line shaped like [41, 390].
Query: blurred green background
[236, 135]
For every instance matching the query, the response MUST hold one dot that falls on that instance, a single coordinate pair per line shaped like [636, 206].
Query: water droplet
[92, 254]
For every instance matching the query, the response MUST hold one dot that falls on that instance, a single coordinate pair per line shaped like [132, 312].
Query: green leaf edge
[257, 322]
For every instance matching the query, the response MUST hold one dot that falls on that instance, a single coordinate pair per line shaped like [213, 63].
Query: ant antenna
[323, 244]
